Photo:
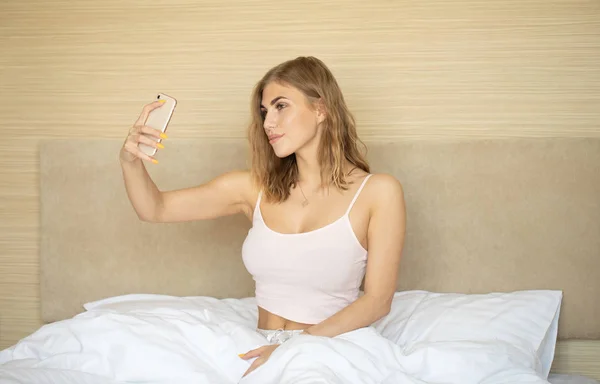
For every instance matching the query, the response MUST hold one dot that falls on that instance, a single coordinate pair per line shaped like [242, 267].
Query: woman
[313, 213]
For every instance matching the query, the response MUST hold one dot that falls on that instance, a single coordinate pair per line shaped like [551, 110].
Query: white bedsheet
[197, 340]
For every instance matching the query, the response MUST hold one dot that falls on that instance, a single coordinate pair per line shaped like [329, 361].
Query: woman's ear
[321, 111]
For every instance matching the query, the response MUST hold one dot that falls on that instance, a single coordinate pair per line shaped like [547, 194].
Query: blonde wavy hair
[339, 140]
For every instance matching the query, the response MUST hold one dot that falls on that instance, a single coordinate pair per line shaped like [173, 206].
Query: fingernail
[163, 136]
[155, 161]
[159, 145]
[162, 101]
[241, 355]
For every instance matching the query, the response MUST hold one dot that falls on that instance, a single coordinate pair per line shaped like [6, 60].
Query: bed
[501, 265]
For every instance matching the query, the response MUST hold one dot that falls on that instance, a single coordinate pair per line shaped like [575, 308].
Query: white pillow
[524, 322]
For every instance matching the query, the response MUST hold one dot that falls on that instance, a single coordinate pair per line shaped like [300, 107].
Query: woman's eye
[279, 107]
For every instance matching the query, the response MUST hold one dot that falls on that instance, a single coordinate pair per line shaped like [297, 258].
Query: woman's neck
[309, 172]
[309, 169]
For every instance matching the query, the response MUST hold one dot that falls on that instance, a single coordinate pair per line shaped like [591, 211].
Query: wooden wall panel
[422, 70]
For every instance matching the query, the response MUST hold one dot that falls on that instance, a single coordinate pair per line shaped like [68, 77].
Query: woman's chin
[281, 152]
[282, 155]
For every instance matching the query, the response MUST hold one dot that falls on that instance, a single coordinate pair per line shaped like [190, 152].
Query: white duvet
[427, 338]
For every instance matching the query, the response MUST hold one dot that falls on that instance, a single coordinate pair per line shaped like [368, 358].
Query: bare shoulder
[384, 185]
[385, 194]
[387, 208]
[239, 182]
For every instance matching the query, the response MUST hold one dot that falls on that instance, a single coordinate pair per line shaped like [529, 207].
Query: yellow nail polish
[159, 145]
[241, 355]
[162, 101]
[155, 161]
[163, 136]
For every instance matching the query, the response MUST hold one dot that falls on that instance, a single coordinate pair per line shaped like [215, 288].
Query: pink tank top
[305, 277]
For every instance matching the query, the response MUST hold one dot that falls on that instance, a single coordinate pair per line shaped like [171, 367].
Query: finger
[253, 353]
[152, 132]
[137, 130]
[148, 141]
[257, 363]
[135, 150]
[143, 156]
[146, 111]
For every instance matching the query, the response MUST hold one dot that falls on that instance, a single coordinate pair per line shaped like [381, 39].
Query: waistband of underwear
[279, 336]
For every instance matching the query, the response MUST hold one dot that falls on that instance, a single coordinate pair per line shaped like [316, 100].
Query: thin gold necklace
[305, 202]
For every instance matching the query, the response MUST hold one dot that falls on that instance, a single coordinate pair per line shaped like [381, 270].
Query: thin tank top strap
[357, 193]
[257, 206]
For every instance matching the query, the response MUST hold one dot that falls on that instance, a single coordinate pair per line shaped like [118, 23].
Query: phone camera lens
[158, 97]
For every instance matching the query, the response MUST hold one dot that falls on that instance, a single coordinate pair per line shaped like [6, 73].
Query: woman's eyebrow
[273, 101]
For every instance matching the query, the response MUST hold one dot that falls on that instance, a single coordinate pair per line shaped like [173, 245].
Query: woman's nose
[269, 123]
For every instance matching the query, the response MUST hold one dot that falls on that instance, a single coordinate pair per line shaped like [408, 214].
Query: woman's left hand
[262, 354]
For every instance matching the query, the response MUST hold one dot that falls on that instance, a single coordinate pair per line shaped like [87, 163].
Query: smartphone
[159, 119]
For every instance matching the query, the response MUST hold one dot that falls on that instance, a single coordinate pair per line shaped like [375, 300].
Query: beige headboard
[483, 215]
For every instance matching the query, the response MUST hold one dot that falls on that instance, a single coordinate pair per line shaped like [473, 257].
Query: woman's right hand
[140, 133]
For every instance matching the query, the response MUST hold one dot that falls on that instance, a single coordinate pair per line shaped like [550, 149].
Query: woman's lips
[274, 138]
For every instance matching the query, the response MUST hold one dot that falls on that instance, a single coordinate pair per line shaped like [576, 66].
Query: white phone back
[159, 119]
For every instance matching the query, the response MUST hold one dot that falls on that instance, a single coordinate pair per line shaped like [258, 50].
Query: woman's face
[289, 120]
